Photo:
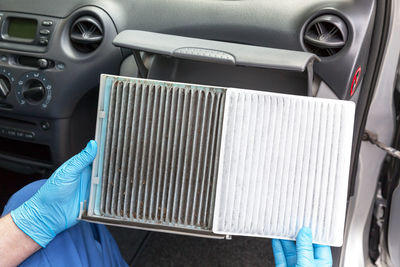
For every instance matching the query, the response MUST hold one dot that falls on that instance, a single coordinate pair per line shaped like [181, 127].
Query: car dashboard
[53, 52]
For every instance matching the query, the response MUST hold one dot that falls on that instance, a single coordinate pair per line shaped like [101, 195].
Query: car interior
[52, 54]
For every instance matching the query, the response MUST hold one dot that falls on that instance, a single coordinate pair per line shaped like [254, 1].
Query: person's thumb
[75, 165]
[304, 248]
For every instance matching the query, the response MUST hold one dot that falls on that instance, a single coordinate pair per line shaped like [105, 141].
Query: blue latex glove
[56, 205]
[301, 253]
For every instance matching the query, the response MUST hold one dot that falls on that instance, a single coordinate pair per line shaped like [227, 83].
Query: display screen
[22, 28]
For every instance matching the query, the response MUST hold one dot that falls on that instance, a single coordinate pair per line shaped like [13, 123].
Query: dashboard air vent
[86, 34]
[325, 35]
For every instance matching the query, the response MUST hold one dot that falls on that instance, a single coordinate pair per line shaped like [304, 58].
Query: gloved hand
[56, 205]
[301, 253]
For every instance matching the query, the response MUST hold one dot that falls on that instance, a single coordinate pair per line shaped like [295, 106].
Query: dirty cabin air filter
[216, 162]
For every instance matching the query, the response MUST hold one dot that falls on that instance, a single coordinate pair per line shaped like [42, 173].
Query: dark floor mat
[11, 182]
[129, 241]
[175, 250]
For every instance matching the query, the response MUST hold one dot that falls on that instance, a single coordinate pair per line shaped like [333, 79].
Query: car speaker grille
[161, 153]
[216, 161]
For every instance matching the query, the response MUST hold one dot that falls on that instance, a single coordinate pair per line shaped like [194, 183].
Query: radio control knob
[34, 91]
[5, 86]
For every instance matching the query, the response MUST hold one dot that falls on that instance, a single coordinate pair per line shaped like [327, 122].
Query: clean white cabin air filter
[216, 162]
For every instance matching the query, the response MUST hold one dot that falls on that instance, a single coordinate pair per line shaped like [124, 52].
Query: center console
[49, 75]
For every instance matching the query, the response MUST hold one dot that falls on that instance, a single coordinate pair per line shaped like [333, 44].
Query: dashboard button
[43, 63]
[47, 22]
[29, 135]
[45, 125]
[11, 132]
[60, 66]
[43, 41]
[45, 31]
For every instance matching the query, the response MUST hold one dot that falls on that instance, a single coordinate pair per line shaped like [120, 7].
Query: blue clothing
[85, 244]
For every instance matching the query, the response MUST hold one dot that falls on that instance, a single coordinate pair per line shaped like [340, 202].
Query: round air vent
[86, 34]
[325, 35]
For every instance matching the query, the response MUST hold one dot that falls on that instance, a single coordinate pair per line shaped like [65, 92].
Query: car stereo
[25, 31]
[20, 29]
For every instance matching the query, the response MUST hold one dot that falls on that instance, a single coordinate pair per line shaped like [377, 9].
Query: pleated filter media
[284, 164]
[216, 162]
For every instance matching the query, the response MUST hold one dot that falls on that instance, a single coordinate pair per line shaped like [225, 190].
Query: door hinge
[373, 139]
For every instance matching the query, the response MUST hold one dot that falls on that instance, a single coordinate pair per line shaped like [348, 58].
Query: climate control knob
[6, 82]
[34, 88]
[5, 86]
[34, 91]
